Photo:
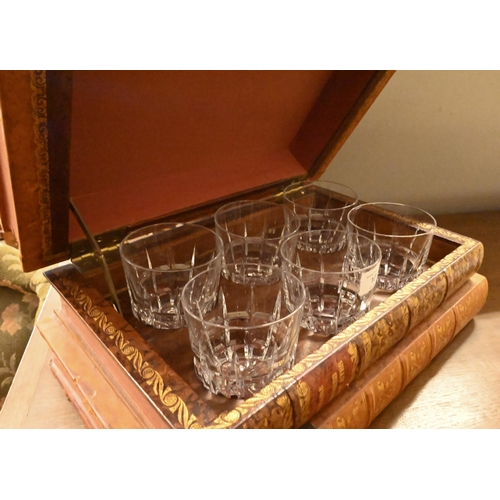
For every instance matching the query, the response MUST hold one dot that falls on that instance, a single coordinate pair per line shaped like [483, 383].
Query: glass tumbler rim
[333, 273]
[172, 225]
[311, 182]
[427, 227]
[187, 306]
[242, 203]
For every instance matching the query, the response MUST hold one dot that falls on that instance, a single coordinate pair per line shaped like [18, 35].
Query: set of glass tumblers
[245, 290]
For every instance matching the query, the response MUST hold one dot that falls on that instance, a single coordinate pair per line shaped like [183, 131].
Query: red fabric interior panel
[148, 143]
[122, 204]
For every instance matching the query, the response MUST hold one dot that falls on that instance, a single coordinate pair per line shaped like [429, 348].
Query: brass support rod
[98, 253]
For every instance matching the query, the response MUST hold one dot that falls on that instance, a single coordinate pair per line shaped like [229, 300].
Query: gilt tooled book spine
[353, 405]
[324, 375]
[347, 356]
[358, 406]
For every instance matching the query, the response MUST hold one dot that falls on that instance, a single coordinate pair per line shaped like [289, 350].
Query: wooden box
[123, 149]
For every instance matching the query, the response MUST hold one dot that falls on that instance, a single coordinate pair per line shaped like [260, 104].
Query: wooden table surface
[459, 389]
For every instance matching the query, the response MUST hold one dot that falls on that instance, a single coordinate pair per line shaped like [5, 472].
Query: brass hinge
[84, 257]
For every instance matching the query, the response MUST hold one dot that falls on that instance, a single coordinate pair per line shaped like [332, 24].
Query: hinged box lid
[131, 146]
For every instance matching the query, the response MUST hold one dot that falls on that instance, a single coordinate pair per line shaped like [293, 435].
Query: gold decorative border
[280, 416]
[467, 257]
[275, 406]
[171, 401]
[38, 83]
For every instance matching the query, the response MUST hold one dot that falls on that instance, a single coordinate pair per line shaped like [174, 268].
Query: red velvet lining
[151, 142]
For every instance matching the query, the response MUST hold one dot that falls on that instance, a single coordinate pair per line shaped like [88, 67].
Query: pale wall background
[431, 139]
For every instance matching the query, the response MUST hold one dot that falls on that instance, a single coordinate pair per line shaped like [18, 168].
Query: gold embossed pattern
[39, 104]
[171, 401]
[428, 293]
[375, 333]
[460, 264]
[300, 393]
[320, 377]
[373, 391]
[268, 409]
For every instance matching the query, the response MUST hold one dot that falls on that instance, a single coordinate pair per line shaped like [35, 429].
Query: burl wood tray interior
[160, 361]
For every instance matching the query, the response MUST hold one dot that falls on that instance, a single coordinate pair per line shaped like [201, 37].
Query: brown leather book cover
[355, 407]
[381, 383]
[94, 396]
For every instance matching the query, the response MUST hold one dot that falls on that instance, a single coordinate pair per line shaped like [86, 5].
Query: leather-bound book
[105, 402]
[381, 383]
[249, 135]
